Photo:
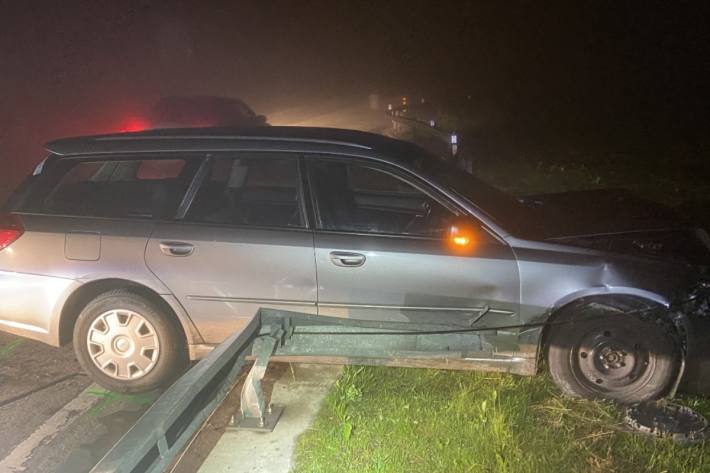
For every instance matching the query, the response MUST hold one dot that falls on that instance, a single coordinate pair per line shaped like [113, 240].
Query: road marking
[46, 432]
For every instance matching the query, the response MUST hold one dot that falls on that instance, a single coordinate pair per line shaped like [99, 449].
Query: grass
[407, 420]
[669, 182]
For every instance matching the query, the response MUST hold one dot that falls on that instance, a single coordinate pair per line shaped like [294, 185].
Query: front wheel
[605, 354]
[128, 344]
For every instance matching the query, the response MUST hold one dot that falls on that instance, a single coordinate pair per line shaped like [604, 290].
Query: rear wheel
[604, 354]
[128, 344]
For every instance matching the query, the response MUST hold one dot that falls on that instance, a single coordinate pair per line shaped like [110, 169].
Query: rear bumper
[30, 304]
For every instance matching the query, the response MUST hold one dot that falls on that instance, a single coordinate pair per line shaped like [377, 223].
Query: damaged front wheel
[602, 353]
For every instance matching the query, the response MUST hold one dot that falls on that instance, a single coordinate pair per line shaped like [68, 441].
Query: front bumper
[696, 377]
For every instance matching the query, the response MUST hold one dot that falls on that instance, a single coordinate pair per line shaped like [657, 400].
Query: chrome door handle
[176, 248]
[347, 259]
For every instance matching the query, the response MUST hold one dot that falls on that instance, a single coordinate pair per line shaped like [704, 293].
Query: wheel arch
[564, 305]
[620, 300]
[85, 293]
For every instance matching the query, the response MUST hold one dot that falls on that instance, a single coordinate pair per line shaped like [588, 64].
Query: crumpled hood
[600, 212]
[619, 222]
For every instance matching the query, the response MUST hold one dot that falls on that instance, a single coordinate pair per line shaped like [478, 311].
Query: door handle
[347, 259]
[176, 248]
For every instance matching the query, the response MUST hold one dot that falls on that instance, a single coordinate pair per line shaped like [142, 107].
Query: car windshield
[504, 209]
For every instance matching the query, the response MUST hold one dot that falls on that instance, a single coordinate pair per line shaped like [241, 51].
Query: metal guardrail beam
[446, 138]
[423, 127]
[168, 425]
[449, 140]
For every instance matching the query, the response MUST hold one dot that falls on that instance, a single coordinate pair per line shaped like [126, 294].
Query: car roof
[286, 138]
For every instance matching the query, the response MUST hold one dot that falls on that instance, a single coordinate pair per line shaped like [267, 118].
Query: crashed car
[148, 249]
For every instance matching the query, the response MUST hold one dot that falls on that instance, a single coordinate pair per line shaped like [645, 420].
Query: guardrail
[165, 429]
[448, 140]
[167, 426]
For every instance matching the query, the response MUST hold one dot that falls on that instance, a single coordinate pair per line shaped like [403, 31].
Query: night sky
[609, 68]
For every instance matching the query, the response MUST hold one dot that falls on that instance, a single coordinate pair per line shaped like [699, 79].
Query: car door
[242, 244]
[380, 254]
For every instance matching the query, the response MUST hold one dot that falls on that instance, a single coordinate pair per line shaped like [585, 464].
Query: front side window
[259, 189]
[144, 188]
[355, 197]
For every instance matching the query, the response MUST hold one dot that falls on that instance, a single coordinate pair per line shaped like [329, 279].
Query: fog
[600, 72]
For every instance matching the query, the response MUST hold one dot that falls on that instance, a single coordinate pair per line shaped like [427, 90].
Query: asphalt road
[53, 418]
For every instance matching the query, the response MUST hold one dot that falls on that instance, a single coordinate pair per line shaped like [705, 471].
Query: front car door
[244, 243]
[380, 254]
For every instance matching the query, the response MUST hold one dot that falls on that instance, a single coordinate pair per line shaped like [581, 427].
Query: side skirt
[523, 363]
[515, 364]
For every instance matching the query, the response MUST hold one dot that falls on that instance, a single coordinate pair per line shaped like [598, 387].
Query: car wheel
[127, 343]
[612, 356]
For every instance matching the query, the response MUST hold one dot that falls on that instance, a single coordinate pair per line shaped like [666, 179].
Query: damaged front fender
[692, 319]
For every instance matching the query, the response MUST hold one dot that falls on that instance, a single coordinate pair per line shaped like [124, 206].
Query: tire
[604, 354]
[127, 343]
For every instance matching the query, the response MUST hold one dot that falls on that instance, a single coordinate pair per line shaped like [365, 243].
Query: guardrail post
[256, 413]
[454, 141]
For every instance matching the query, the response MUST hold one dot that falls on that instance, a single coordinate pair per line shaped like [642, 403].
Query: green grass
[671, 183]
[409, 420]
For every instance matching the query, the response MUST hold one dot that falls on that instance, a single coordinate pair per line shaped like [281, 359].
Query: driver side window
[355, 197]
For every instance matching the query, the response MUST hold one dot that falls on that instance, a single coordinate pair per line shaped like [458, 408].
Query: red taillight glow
[135, 124]
[10, 230]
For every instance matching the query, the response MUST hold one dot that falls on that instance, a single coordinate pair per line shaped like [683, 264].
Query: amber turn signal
[462, 236]
[461, 240]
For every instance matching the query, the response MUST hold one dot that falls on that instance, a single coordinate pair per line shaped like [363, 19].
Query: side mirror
[463, 235]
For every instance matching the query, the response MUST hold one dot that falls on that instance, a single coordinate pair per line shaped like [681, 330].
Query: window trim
[213, 157]
[192, 188]
[394, 171]
[304, 189]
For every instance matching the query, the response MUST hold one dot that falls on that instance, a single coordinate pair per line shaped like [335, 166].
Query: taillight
[134, 124]
[10, 230]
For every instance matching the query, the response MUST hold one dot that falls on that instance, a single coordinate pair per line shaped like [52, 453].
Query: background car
[185, 111]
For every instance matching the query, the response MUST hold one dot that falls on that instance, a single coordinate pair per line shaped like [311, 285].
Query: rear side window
[142, 188]
[260, 190]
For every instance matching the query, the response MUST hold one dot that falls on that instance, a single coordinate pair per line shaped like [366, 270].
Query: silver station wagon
[148, 249]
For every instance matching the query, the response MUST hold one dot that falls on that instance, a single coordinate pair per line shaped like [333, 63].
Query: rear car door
[242, 244]
[380, 254]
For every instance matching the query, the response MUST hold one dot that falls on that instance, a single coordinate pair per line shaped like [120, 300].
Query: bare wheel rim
[123, 344]
[609, 359]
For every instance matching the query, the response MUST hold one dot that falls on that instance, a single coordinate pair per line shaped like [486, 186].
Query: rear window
[143, 188]
[260, 190]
